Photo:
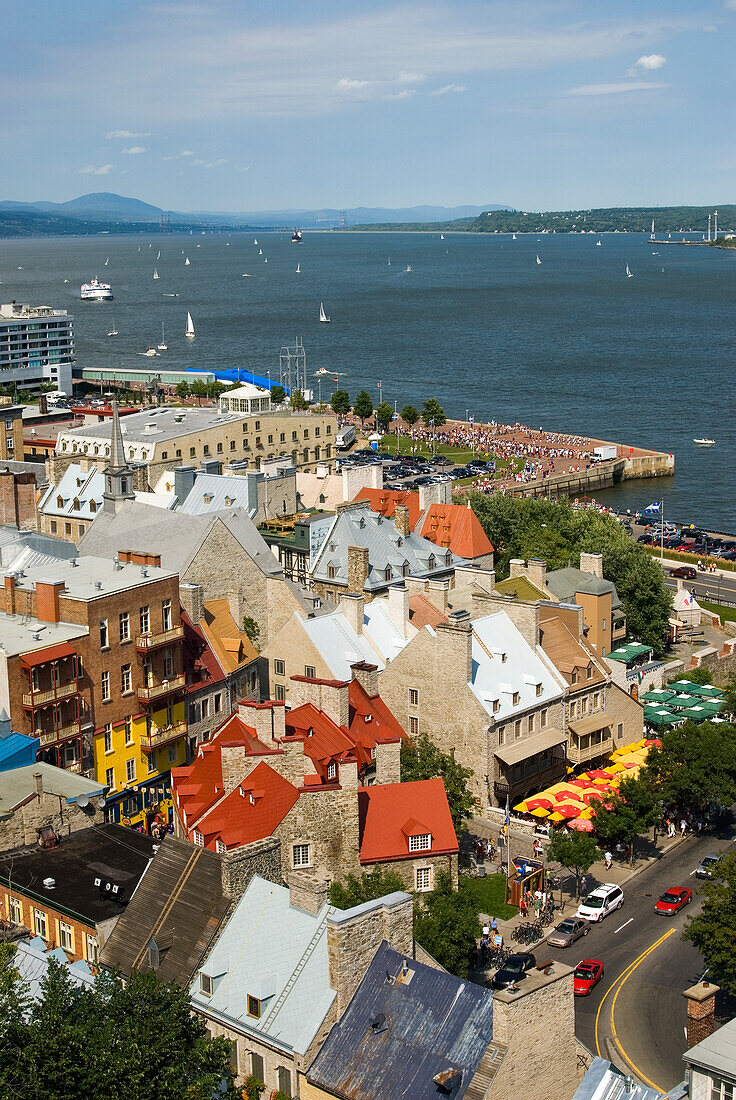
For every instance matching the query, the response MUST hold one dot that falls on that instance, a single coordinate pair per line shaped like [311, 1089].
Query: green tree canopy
[363, 405]
[696, 765]
[366, 887]
[182, 388]
[433, 411]
[520, 527]
[298, 401]
[713, 930]
[575, 851]
[340, 402]
[410, 415]
[422, 759]
[199, 389]
[278, 395]
[108, 1040]
[446, 924]
[384, 413]
[632, 810]
[700, 675]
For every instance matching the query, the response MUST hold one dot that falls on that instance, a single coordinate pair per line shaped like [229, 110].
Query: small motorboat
[704, 442]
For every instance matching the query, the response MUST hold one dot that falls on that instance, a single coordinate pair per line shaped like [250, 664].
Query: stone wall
[327, 820]
[21, 828]
[407, 868]
[262, 857]
[353, 936]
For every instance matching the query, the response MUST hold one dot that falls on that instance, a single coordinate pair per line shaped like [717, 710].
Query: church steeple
[118, 474]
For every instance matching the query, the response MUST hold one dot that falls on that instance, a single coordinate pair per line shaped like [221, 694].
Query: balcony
[32, 699]
[51, 737]
[152, 692]
[538, 781]
[157, 739]
[578, 755]
[146, 642]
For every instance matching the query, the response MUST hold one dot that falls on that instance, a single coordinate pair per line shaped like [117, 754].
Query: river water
[570, 344]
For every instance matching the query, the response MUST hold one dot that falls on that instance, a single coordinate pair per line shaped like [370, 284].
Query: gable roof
[422, 612]
[200, 663]
[371, 719]
[338, 644]
[565, 651]
[456, 527]
[16, 784]
[232, 647]
[251, 811]
[396, 1036]
[384, 501]
[215, 492]
[273, 950]
[505, 664]
[179, 903]
[32, 960]
[565, 583]
[392, 812]
[86, 488]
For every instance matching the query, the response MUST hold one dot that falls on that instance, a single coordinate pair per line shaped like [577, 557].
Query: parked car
[587, 974]
[705, 867]
[441, 460]
[686, 571]
[602, 901]
[513, 970]
[673, 900]
[567, 931]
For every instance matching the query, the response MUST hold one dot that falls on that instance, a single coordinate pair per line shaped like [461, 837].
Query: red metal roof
[323, 739]
[200, 663]
[456, 527]
[371, 720]
[392, 812]
[49, 653]
[251, 811]
[385, 501]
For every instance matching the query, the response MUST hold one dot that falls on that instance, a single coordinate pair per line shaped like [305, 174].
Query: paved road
[714, 588]
[636, 1015]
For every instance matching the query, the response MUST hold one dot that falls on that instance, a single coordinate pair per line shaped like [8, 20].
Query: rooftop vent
[144, 571]
[49, 883]
[98, 585]
[378, 1023]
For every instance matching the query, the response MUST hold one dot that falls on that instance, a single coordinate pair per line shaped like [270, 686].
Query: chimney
[267, 719]
[330, 696]
[38, 783]
[191, 598]
[438, 592]
[234, 764]
[438, 493]
[184, 477]
[353, 608]
[353, 936]
[517, 567]
[401, 519]
[367, 676]
[536, 571]
[307, 892]
[455, 650]
[398, 608]
[355, 478]
[701, 1008]
[358, 566]
[211, 466]
[9, 594]
[47, 601]
[524, 615]
[592, 563]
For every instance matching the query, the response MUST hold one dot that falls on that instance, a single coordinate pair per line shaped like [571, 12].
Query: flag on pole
[507, 816]
[654, 508]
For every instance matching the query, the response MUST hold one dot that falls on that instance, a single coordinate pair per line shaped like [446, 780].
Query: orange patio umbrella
[555, 817]
[540, 812]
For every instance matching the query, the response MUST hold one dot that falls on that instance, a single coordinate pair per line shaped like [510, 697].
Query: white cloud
[123, 134]
[135, 150]
[406, 94]
[651, 61]
[710, 28]
[410, 78]
[345, 85]
[178, 156]
[208, 163]
[103, 170]
[446, 89]
[729, 5]
[614, 89]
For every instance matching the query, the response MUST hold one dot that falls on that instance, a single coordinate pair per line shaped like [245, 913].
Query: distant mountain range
[105, 211]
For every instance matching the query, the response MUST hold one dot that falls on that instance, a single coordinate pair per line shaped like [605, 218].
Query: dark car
[513, 970]
[567, 931]
[686, 571]
[441, 460]
[645, 539]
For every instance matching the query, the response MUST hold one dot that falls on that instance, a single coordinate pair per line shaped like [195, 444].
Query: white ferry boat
[95, 291]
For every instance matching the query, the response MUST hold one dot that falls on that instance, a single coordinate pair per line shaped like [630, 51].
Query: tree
[729, 696]
[363, 405]
[713, 930]
[700, 675]
[422, 759]
[575, 851]
[199, 389]
[446, 925]
[366, 887]
[433, 411]
[251, 629]
[110, 1040]
[214, 389]
[632, 810]
[409, 415]
[278, 395]
[384, 415]
[299, 401]
[340, 402]
[695, 766]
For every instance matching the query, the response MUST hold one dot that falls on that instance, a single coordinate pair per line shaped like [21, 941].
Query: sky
[247, 105]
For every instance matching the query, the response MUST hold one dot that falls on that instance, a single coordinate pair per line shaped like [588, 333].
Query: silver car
[567, 931]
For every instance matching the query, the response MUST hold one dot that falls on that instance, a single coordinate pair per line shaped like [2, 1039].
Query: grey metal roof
[13, 543]
[566, 582]
[18, 783]
[361, 526]
[604, 1082]
[89, 576]
[716, 1053]
[38, 469]
[215, 492]
[77, 493]
[31, 960]
[402, 1028]
[155, 425]
[19, 634]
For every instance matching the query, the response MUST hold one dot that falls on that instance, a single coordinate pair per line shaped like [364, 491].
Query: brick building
[11, 433]
[18, 497]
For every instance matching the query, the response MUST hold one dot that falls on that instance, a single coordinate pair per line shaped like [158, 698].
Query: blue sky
[252, 105]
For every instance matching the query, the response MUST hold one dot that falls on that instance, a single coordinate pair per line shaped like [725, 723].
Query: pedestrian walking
[683, 827]
[522, 906]
[608, 860]
[501, 842]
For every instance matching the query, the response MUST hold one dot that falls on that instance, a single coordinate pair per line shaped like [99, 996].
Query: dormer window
[207, 498]
[405, 569]
[420, 843]
[448, 558]
[93, 506]
[254, 1007]
[539, 690]
[589, 672]
[431, 563]
[515, 699]
[229, 501]
[332, 771]
[330, 571]
[76, 504]
[205, 984]
[574, 676]
[387, 574]
[59, 502]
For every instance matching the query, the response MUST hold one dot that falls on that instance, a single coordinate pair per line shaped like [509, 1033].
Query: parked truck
[605, 452]
[345, 437]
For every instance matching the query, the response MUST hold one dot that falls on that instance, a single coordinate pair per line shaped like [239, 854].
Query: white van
[601, 902]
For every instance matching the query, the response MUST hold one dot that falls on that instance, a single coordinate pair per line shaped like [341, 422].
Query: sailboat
[322, 315]
[255, 241]
[651, 235]
[598, 244]
[162, 346]
[107, 261]
[113, 331]
[442, 236]
[538, 259]
[408, 267]
[190, 326]
[186, 262]
[513, 236]
[389, 261]
[628, 273]
[298, 269]
[139, 248]
[156, 274]
[158, 254]
[260, 251]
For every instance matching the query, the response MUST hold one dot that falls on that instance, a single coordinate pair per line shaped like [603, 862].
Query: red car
[675, 899]
[587, 974]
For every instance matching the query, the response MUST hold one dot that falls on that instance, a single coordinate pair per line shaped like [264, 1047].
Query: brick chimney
[398, 608]
[307, 892]
[701, 1008]
[353, 608]
[366, 675]
[592, 563]
[354, 935]
[357, 567]
[267, 719]
[401, 519]
[47, 601]
[9, 602]
[38, 783]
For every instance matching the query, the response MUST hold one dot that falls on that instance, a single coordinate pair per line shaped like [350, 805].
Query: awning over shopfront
[591, 724]
[529, 746]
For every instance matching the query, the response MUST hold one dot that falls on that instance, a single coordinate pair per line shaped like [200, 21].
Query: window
[589, 669]
[168, 664]
[270, 439]
[574, 677]
[93, 506]
[124, 626]
[310, 671]
[15, 910]
[431, 563]
[300, 854]
[145, 619]
[128, 731]
[413, 697]
[130, 770]
[172, 754]
[517, 730]
[219, 448]
[596, 700]
[108, 738]
[91, 949]
[104, 639]
[721, 1090]
[330, 572]
[539, 690]
[254, 1007]
[53, 526]
[206, 449]
[423, 878]
[501, 735]
[414, 726]
[198, 839]
[232, 444]
[496, 706]
[422, 842]
[620, 731]
[256, 1066]
[110, 778]
[220, 846]
[164, 454]
[332, 771]
[205, 984]
[40, 924]
[279, 668]
[604, 624]
[166, 614]
[279, 693]
[66, 936]
[543, 719]
[192, 452]
[150, 759]
[532, 718]
[105, 687]
[125, 679]
[283, 1080]
[387, 574]
[218, 702]
[515, 699]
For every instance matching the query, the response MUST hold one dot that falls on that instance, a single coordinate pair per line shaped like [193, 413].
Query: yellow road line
[619, 981]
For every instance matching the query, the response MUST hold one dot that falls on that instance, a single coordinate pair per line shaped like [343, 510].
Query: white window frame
[206, 985]
[66, 936]
[332, 770]
[130, 770]
[126, 679]
[421, 842]
[124, 621]
[198, 838]
[40, 923]
[92, 948]
[15, 910]
[301, 855]
[108, 739]
[423, 879]
[105, 687]
[172, 753]
[110, 778]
